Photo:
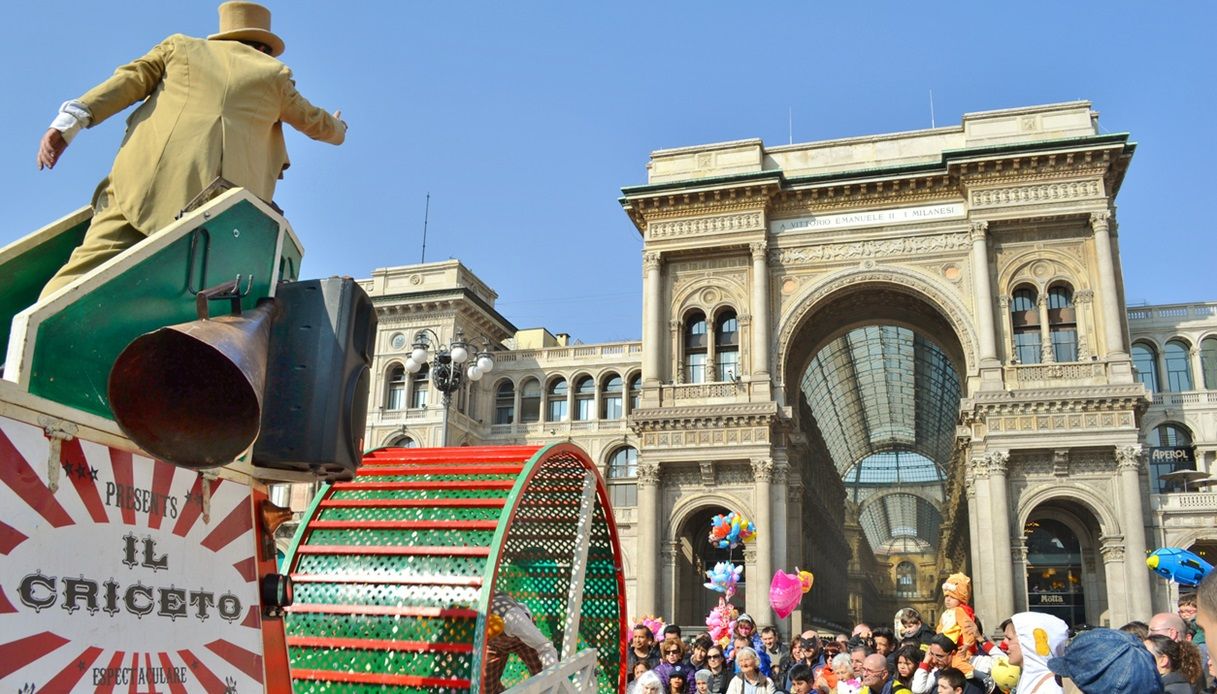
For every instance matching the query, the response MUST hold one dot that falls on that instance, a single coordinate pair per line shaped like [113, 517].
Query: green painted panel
[25, 275]
[78, 345]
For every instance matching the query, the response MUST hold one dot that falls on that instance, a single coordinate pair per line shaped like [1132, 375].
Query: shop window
[1054, 571]
[420, 386]
[906, 579]
[1145, 361]
[622, 472]
[635, 391]
[1170, 450]
[1025, 318]
[1208, 362]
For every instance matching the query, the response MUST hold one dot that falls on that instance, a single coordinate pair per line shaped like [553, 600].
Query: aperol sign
[116, 581]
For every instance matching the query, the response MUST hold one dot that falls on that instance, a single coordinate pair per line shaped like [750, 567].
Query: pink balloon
[785, 592]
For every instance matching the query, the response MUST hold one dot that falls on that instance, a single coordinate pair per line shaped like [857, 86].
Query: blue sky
[524, 119]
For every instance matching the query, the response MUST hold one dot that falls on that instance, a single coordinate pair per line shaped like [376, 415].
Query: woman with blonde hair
[750, 679]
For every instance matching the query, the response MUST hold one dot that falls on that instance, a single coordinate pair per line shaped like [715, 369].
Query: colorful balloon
[806, 579]
[724, 577]
[1179, 565]
[731, 530]
[785, 593]
[655, 624]
[721, 622]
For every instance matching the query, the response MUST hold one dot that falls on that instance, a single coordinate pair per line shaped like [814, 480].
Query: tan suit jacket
[211, 108]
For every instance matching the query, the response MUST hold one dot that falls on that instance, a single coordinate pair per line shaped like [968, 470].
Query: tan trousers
[109, 234]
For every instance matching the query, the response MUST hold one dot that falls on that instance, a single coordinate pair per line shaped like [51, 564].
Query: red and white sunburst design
[114, 583]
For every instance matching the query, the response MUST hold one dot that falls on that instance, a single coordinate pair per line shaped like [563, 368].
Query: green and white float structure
[394, 572]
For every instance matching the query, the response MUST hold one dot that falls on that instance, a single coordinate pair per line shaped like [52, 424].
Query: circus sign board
[117, 580]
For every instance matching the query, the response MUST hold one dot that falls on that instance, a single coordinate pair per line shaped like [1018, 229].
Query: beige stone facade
[987, 251]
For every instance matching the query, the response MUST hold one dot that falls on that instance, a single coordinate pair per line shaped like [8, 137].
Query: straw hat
[247, 21]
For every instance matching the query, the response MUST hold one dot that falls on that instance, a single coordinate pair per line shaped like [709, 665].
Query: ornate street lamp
[449, 373]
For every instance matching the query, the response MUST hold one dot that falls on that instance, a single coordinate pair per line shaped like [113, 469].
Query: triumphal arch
[900, 355]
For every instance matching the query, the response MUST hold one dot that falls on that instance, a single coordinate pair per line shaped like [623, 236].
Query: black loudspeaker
[317, 380]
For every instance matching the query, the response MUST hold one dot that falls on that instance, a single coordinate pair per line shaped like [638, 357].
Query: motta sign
[868, 218]
[115, 580]
[1053, 599]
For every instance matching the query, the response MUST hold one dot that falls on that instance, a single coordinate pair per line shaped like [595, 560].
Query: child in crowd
[958, 621]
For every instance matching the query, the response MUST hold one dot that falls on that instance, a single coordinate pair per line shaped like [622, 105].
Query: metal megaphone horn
[191, 394]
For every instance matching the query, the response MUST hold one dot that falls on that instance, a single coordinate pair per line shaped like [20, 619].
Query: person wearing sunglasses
[672, 662]
[720, 675]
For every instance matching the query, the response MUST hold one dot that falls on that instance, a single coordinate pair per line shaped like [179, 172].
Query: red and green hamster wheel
[396, 573]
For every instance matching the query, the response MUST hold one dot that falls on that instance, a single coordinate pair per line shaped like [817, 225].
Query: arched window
[610, 399]
[1178, 367]
[1025, 317]
[1170, 450]
[1145, 361]
[530, 401]
[555, 400]
[404, 442]
[906, 579]
[505, 403]
[395, 391]
[1062, 323]
[585, 398]
[1208, 362]
[695, 348]
[635, 391]
[726, 345]
[622, 471]
[420, 386]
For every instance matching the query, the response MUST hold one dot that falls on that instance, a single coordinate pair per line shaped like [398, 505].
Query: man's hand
[50, 148]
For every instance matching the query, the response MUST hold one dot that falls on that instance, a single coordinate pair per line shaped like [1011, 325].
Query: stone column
[1197, 370]
[781, 521]
[668, 606]
[973, 525]
[984, 559]
[760, 308]
[1129, 463]
[647, 527]
[1018, 558]
[1118, 592]
[1047, 354]
[982, 293]
[1081, 305]
[653, 320]
[1113, 331]
[997, 462]
[756, 596]
[762, 471]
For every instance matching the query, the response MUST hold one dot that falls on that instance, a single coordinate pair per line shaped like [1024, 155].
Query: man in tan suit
[212, 108]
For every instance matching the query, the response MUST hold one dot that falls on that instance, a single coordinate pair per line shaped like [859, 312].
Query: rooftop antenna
[789, 125]
[426, 216]
[932, 125]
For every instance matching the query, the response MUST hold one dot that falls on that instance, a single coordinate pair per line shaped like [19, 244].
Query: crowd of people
[1036, 653]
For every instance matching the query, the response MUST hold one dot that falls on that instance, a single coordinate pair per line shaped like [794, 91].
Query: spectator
[813, 650]
[861, 631]
[1206, 612]
[802, 680]
[1102, 661]
[1187, 612]
[1168, 657]
[672, 655]
[720, 674]
[1033, 638]
[907, 659]
[639, 668]
[750, 679]
[697, 652]
[701, 682]
[958, 621]
[1168, 624]
[909, 625]
[672, 631]
[647, 683]
[938, 658]
[1137, 629]
[857, 655]
[885, 641]
[874, 675]
[779, 657]
[951, 681]
[842, 639]
[642, 647]
[746, 628]
[678, 683]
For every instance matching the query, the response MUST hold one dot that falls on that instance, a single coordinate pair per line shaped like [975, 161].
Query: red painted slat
[391, 468]
[413, 503]
[379, 645]
[10, 537]
[426, 484]
[15, 655]
[124, 476]
[107, 685]
[402, 551]
[238, 522]
[388, 610]
[70, 675]
[17, 474]
[175, 687]
[404, 525]
[246, 661]
[162, 478]
[376, 678]
[463, 454]
[194, 508]
[207, 680]
[82, 481]
[472, 582]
